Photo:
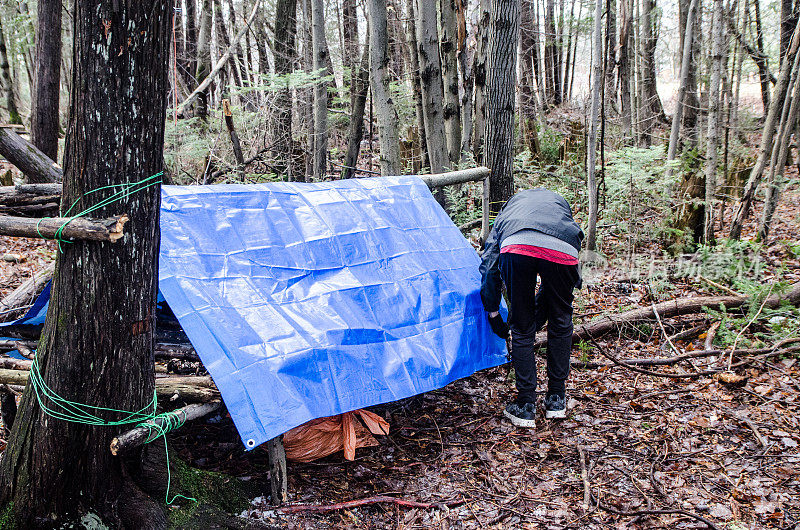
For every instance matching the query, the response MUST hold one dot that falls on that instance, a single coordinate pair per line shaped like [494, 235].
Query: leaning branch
[33, 163]
[220, 63]
[80, 228]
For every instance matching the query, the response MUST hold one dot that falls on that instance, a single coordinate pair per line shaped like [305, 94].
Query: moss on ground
[220, 498]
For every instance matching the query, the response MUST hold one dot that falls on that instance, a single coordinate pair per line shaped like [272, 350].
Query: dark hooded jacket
[536, 209]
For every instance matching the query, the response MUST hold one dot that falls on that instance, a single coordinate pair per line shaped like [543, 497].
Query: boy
[534, 234]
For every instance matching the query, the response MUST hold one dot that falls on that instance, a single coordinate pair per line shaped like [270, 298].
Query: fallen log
[187, 389]
[33, 163]
[670, 308]
[176, 351]
[27, 291]
[80, 228]
[140, 435]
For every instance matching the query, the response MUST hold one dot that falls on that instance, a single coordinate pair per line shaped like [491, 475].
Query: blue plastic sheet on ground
[306, 300]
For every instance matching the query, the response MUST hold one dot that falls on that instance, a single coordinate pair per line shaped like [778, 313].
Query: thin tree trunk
[762, 63]
[448, 47]
[714, 100]
[624, 70]
[44, 106]
[479, 76]
[650, 36]
[466, 60]
[358, 102]
[379, 81]
[767, 138]
[97, 343]
[591, 147]
[204, 57]
[189, 62]
[682, 84]
[284, 50]
[319, 45]
[500, 85]
[416, 84]
[431, 84]
[8, 84]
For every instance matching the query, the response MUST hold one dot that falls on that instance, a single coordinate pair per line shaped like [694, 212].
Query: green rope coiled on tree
[123, 191]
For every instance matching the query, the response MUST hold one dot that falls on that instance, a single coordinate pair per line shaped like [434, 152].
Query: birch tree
[379, 80]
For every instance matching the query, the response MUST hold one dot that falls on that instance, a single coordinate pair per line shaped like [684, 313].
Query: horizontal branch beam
[188, 389]
[139, 435]
[475, 174]
[80, 228]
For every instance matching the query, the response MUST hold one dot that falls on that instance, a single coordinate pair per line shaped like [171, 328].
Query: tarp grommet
[251, 443]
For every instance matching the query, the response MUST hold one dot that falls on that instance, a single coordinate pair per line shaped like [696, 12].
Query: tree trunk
[500, 85]
[204, 57]
[448, 47]
[319, 46]
[7, 83]
[479, 77]
[431, 84]
[44, 111]
[97, 343]
[284, 50]
[188, 63]
[714, 100]
[682, 85]
[781, 149]
[594, 118]
[466, 58]
[527, 83]
[355, 131]
[624, 70]
[551, 55]
[650, 25]
[767, 138]
[763, 65]
[379, 81]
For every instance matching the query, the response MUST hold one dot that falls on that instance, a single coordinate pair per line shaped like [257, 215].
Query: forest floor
[650, 452]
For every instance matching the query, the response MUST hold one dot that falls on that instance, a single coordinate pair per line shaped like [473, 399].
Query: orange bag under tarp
[324, 436]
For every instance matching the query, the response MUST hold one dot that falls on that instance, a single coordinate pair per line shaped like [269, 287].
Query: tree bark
[379, 81]
[431, 84]
[624, 70]
[358, 103]
[34, 164]
[416, 83]
[97, 342]
[285, 54]
[649, 38]
[714, 100]
[7, 83]
[83, 229]
[319, 46]
[682, 84]
[500, 86]
[479, 76]
[591, 146]
[204, 58]
[448, 47]
[44, 118]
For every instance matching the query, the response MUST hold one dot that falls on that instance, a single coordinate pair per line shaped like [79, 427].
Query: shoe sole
[555, 414]
[519, 422]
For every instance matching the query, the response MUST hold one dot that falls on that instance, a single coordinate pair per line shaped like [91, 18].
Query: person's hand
[499, 327]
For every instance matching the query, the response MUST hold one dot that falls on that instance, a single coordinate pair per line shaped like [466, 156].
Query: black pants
[529, 312]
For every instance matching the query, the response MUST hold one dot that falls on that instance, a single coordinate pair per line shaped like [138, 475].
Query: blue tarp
[306, 300]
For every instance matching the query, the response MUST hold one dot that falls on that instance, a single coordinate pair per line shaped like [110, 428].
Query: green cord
[124, 191]
[71, 411]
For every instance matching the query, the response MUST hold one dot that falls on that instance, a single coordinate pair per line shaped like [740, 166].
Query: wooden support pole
[80, 228]
[139, 435]
[237, 147]
[277, 470]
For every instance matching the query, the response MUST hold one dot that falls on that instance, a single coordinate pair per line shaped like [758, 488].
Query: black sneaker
[521, 414]
[555, 406]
